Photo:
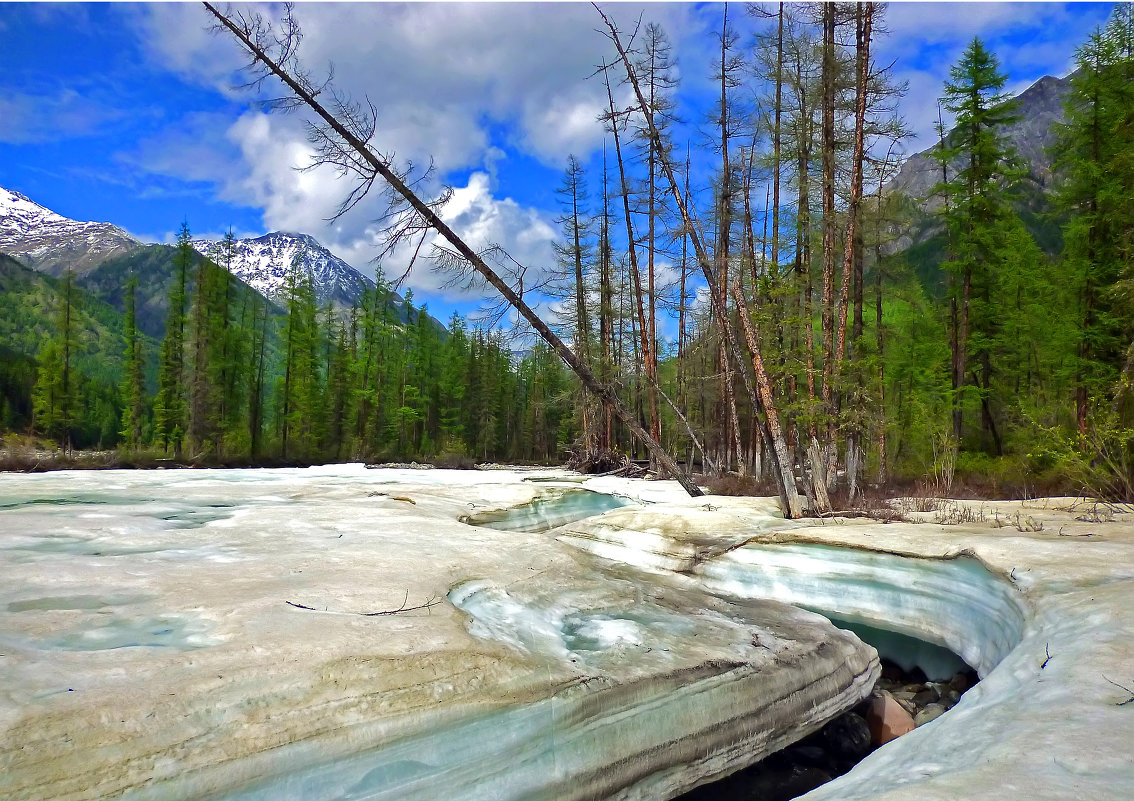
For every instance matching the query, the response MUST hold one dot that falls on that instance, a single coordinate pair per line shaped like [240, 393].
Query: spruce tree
[1095, 151]
[169, 406]
[133, 380]
[300, 409]
[56, 391]
[978, 218]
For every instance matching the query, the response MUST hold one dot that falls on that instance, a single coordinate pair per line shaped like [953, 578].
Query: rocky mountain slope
[51, 243]
[918, 232]
[263, 264]
[1032, 135]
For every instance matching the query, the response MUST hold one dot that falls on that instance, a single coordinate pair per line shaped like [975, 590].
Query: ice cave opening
[938, 624]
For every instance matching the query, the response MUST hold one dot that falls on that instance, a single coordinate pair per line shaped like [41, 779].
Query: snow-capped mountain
[50, 242]
[263, 264]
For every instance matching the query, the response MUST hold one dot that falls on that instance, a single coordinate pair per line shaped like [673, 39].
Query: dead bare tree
[851, 265]
[770, 431]
[344, 138]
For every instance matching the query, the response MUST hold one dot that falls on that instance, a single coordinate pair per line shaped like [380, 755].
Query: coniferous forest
[832, 332]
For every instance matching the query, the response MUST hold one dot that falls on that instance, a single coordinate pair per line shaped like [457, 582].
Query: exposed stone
[847, 737]
[926, 697]
[962, 681]
[931, 712]
[887, 719]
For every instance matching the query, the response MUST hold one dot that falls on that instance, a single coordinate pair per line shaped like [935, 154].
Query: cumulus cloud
[292, 199]
[456, 85]
[446, 70]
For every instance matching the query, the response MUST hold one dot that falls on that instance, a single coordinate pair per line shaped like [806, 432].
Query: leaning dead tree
[760, 395]
[344, 139]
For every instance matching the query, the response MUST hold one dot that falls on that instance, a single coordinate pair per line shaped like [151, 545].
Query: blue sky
[128, 113]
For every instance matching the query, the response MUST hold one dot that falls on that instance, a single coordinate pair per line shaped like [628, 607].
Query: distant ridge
[51, 243]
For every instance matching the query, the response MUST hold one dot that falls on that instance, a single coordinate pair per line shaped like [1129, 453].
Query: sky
[134, 114]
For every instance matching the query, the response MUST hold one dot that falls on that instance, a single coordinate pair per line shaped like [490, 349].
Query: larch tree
[977, 217]
[55, 395]
[133, 378]
[170, 411]
[1094, 151]
[574, 257]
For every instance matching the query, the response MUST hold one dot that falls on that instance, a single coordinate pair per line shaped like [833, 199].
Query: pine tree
[56, 393]
[133, 380]
[205, 363]
[1095, 151]
[300, 409]
[453, 384]
[170, 410]
[978, 218]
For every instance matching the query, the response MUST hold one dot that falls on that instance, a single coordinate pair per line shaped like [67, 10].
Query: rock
[962, 681]
[847, 737]
[887, 720]
[906, 704]
[931, 712]
[926, 697]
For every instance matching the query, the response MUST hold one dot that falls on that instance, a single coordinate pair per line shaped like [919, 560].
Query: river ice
[211, 634]
[148, 649]
[1046, 617]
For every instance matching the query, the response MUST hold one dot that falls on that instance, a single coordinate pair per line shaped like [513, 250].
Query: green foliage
[1096, 157]
[133, 386]
[55, 396]
[170, 406]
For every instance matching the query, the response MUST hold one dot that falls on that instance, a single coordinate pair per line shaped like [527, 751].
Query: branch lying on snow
[1125, 690]
[432, 601]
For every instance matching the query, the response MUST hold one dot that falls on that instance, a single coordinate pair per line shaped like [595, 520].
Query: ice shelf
[1046, 617]
[224, 635]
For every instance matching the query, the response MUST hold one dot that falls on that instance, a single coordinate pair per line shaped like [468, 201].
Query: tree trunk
[383, 170]
[788, 498]
[829, 235]
[851, 264]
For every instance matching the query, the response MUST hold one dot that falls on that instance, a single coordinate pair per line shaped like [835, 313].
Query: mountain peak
[262, 262]
[16, 205]
[52, 243]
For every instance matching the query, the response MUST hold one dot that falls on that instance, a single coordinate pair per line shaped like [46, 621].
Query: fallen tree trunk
[251, 34]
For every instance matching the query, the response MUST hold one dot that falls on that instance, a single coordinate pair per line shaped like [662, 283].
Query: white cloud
[453, 84]
[304, 200]
[52, 116]
[445, 71]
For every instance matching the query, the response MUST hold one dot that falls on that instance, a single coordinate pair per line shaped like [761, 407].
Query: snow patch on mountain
[51, 243]
[263, 263]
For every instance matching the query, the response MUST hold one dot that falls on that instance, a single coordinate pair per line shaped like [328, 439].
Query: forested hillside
[31, 305]
[230, 377]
